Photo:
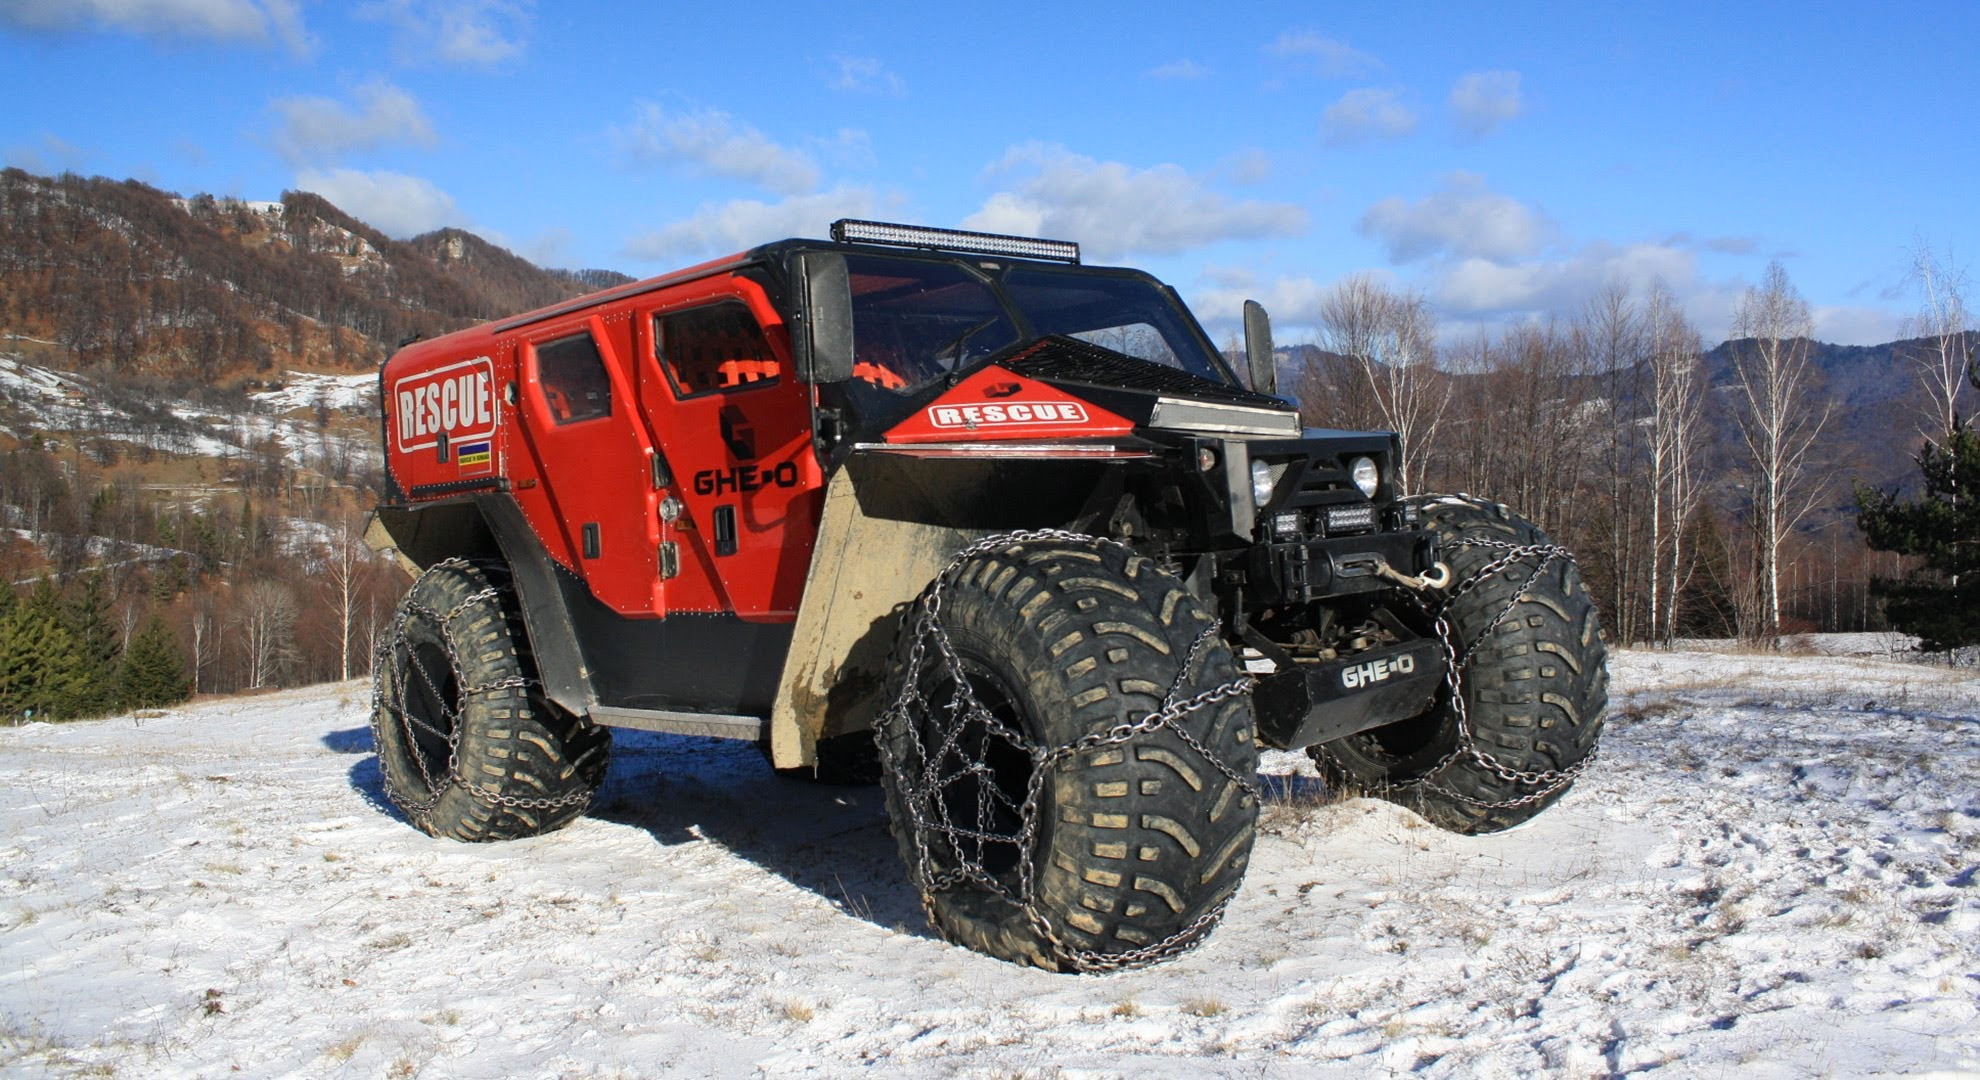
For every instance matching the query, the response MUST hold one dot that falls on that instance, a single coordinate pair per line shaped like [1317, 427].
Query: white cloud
[865, 75]
[713, 143]
[719, 228]
[461, 33]
[1113, 209]
[1182, 70]
[1249, 166]
[1330, 58]
[1482, 286]
[1856, 325]
[1464, 219]
[396, 204]
[1291, 301]
[1485, 100]
[254, 21]
[317, 128]
[1366, 115]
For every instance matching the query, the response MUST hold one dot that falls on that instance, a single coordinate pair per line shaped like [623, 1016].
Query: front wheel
[1531, 682]
[470, 747]
[1068, 756]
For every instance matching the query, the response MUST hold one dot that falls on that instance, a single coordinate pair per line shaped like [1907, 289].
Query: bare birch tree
[1613, 331]
[345, 560]
[1391, 339]
[1779, 420]
[268, 622]
[1677, 398]
[1942, 349]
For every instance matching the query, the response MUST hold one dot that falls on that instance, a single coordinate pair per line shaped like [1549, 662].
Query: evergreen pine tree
[87, 619]
[41, 670]
[153, 673]
[1940, 604]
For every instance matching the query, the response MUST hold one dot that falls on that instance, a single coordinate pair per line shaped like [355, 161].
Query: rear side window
[574, 381]
[715, 348]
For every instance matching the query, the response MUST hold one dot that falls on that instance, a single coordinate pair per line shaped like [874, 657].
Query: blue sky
[1507, 161]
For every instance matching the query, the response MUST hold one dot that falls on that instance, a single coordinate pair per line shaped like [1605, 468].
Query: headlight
[1261, 483]
[1366, 476]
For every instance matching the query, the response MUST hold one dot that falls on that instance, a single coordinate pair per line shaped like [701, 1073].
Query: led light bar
[1350, 519]
[1221, 419]
[848, 230]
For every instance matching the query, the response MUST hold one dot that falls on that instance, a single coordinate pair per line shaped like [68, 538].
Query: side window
[574, 380]
[714, 348]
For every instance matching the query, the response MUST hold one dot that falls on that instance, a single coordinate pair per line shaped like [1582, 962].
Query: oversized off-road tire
[1534, 685]
[1136, 839]
[470, 748]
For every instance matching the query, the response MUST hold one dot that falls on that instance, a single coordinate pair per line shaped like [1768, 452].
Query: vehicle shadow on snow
[827, 839]
[364, 775]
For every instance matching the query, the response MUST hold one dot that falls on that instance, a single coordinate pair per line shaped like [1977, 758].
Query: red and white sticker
[1006, 414]
[997, 404]
[458, 399]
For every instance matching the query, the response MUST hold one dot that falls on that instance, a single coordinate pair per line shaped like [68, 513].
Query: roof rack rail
[850, 230]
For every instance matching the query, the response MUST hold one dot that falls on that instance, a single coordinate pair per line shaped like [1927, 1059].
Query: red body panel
[745, 447]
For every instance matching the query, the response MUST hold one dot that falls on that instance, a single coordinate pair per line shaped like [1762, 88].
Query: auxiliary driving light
[1366, 476]
[1261, 483]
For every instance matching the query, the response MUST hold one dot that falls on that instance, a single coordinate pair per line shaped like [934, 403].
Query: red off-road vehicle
[958, 512]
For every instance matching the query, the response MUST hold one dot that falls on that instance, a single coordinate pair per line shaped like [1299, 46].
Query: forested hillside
[188, 424]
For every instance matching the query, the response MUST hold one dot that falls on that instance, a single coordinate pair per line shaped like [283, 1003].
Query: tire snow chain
[1545, 782]
[921, 794]
[452, 777]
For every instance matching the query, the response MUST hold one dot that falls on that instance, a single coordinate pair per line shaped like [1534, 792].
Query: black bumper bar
[1316, 703]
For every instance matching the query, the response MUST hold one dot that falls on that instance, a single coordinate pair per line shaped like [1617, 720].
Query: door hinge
[670, 560]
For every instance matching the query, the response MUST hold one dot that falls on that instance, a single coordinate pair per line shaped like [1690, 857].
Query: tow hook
[1437, 577]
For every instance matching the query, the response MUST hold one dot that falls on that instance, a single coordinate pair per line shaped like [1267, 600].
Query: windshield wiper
[957, 344]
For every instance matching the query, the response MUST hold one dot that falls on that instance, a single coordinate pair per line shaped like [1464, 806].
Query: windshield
[915, 320]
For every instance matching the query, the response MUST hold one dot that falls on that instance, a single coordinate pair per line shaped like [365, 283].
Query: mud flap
[865, 571]
[891, 522]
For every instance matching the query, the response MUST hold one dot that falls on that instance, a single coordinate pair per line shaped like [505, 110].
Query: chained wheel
[469, 746]
[1519, 717]
[1068, 755]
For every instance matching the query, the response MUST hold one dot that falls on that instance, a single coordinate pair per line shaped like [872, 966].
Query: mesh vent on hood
[1072, 360]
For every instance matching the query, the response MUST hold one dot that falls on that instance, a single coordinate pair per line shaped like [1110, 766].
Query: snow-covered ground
[1771, 873]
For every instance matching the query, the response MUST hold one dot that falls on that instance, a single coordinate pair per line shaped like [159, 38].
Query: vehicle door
[582, 423]
[733, 423]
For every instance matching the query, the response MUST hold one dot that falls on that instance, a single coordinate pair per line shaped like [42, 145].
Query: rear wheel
[470, 748]
[1068, 756]
[1534, 683]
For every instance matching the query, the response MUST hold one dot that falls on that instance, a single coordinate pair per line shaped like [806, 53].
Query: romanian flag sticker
[475, 457]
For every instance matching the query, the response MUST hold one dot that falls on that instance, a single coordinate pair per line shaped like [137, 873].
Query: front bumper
[1316, 703]
[1303, 571]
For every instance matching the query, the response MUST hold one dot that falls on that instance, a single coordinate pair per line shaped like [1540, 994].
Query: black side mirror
[827, 340]
[1258, 349]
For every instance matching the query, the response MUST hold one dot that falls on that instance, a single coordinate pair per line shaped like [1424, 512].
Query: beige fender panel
[891, 522]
